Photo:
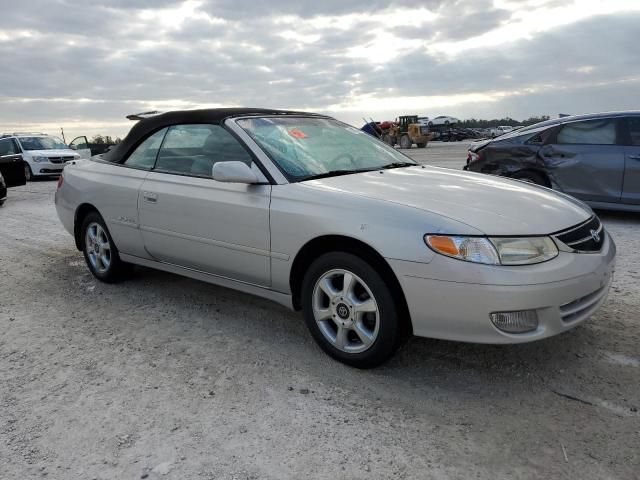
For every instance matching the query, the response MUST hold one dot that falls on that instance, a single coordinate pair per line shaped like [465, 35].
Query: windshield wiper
[334, 173]
[398, 165]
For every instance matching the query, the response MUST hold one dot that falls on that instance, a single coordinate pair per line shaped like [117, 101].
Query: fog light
[515, 322]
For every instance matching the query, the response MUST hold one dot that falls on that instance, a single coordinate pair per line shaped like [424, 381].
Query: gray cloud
[118, 60]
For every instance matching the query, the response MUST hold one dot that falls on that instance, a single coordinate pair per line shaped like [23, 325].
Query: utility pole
[62, 131]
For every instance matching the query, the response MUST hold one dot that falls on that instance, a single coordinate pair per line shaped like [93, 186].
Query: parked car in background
[595, 158]
[496, 132]
[11, 167]
[42, 155]
[324, 218]
[423, 121]
[443, 120]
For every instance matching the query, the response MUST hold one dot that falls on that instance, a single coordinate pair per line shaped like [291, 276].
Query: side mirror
[73, 147]
[234, 172]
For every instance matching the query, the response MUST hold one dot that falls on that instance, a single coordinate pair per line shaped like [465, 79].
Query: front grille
[582, 307]
[585, 237]
[60, 159]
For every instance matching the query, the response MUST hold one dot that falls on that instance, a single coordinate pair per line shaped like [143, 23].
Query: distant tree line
[481, 123]
[105, 140]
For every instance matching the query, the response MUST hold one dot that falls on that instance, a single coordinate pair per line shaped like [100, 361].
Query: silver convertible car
[321, 217]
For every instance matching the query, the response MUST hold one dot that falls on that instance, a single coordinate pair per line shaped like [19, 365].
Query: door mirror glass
[73, 147]
[234, 172]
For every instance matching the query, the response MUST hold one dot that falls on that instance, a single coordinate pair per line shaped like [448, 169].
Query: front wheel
[350, 310]
[100, 252]
[405, 142]
[28, 175]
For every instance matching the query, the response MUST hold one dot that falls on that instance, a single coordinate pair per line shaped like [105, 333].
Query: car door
[631, 185]
[81, 145]
[116, 188]
[586, 159]
[189, 219]
[11, 163]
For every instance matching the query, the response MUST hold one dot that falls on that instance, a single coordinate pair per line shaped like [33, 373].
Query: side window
[194, 149]
[634, 130]
[4, 147]
[591, 132]
[145, 155]
[8, 147]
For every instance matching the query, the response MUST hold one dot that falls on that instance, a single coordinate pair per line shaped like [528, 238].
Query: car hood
[493, 205]
[60, 152]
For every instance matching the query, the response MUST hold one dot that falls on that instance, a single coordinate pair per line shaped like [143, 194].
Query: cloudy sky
[85, 64]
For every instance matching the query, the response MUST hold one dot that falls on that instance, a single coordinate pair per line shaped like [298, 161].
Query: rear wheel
[405, 142]
[350, 310]
[100, 252]
[421, 145]
[531, 177]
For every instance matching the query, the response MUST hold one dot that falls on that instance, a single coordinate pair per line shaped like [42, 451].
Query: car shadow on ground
[456, 365]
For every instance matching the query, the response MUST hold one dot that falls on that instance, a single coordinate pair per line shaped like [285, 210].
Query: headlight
[494, 251]
[524, 251]
[38, 159]
[470, 249]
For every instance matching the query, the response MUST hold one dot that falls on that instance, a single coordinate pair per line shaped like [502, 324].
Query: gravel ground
[163, 377]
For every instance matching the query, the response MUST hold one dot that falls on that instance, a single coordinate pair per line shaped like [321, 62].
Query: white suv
[44, 155]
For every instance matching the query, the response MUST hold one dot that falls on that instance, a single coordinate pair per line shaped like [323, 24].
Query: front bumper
[46, 168]
[451, 299]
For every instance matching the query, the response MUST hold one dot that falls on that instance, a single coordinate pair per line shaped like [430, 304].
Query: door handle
[634, 157]
[150, 197]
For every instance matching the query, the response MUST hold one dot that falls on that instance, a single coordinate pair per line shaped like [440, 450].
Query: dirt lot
[165, 377]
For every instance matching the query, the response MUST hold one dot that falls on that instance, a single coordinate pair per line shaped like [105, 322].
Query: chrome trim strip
[564, 232]
[217, 243]
[585, 238]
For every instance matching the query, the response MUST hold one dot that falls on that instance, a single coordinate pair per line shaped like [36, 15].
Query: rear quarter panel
[113, 190]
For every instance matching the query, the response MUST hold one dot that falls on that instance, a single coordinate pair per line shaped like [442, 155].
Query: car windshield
[42, 143]
[305, 147]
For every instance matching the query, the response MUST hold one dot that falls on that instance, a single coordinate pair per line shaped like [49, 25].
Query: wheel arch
[339, 243]
[81, 212]
[544, 175]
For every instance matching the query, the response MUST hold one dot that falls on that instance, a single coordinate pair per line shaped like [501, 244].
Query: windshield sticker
[295, 133]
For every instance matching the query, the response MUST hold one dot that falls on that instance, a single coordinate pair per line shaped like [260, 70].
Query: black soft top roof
[147, 126]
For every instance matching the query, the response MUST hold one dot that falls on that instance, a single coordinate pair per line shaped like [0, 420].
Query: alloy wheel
[98, 247]
[346, 311]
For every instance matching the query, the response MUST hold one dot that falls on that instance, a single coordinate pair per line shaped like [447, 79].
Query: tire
[446, 122]
[531, 177]
[386, 138]
[2, 201]
[430, 124]
[28, 174]
[101, 255]
[362, 339]
[405, 142]
[421, 145]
